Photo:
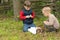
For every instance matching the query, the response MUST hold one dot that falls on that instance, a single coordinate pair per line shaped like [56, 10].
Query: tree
[16, 7]
[1, 1]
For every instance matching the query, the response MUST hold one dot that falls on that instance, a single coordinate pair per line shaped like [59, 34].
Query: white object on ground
[32, 30]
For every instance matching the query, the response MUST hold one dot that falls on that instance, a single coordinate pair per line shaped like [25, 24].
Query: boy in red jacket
[27, 16]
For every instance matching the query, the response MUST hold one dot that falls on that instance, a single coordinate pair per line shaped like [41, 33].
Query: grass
[12, 30]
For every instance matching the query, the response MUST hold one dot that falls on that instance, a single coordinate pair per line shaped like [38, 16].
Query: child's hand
[31, 16]
[27, 16]
[45, 22]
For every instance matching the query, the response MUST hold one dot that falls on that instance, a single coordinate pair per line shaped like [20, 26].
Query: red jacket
[22, 17]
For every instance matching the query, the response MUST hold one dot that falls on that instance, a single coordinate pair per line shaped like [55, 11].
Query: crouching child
[52, 23]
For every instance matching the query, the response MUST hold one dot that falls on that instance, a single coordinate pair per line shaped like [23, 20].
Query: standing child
[52, 22]
[27, 16]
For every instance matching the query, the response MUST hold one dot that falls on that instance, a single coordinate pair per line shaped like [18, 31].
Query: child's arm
[33, 15]
[22, 17]
[50, 22]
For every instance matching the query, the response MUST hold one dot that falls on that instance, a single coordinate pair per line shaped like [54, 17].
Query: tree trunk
[16, 7]
[2, 1]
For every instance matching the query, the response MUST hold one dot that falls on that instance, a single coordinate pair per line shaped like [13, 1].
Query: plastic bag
[32, 30]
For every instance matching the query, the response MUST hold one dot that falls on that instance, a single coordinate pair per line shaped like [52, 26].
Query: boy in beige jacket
[52, 22]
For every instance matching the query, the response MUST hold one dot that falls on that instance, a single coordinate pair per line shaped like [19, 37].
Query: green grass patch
[12, 30]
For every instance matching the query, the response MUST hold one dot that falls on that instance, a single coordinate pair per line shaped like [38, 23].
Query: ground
[12, 30]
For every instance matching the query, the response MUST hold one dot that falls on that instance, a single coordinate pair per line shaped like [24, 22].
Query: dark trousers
[49, 28]
[26, 27]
